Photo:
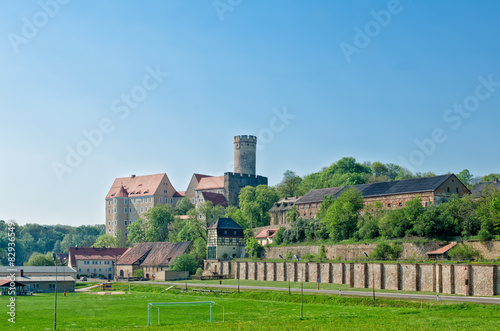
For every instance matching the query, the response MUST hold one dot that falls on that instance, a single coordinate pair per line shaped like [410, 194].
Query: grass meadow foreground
[248, 310]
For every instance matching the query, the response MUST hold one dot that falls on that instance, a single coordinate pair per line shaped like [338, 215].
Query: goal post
[173, 315]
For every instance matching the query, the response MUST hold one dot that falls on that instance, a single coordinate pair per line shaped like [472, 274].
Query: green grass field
[248, 310]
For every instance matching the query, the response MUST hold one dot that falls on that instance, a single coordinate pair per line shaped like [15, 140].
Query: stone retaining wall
[477, 280]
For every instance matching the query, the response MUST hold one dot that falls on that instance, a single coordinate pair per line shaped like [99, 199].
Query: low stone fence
[477, 280]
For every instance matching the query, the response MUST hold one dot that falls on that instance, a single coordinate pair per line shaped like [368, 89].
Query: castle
[129, 198]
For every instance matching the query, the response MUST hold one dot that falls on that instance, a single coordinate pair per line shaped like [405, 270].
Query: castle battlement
[245, 138]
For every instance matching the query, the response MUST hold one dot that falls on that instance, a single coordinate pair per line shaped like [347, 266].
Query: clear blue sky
[232, 66]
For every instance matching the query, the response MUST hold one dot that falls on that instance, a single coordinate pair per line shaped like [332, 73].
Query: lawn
[247, 311]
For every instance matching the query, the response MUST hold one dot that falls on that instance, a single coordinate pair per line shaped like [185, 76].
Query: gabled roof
[266, 233]
[180, 194]
[225, 223]
[210, 183]
[135, 186]
[443, 249]
[318, 195]
[200, 176]
[4, 282]
[93, 253]
[163, 253]
[413, 185]
[154, 253]
[215, 198]
[478, 190]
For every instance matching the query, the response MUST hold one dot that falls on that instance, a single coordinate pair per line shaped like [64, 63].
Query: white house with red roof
[94, 261]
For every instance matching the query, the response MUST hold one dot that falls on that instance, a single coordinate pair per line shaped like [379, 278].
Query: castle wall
[477, 280]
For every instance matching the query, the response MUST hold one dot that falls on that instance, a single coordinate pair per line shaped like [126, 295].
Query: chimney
[132, 176]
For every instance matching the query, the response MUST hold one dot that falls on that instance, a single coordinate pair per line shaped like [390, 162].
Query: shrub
[384, 251]
[464, 252]
[139, 273]
[199, 271]
[484, 235]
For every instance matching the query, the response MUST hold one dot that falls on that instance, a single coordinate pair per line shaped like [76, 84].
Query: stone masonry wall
[478, 280]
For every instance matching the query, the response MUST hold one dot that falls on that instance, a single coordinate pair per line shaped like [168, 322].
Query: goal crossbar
[193, 303]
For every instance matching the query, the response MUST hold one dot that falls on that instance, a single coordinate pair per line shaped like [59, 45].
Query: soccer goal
[182, 312]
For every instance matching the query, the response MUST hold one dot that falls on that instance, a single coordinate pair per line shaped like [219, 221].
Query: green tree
[183, 206]
[185, 262]
[341, 218]
[137, 232]
[255, 203]
[289, 185]
[491, 177]
[107, 241]
[37, 259]
[252, 247]
[158, 219]
[139, 273]
[368, 223]
[466, 178]
[210, 213]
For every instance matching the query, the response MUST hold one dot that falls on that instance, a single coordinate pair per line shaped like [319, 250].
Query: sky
[94, 90]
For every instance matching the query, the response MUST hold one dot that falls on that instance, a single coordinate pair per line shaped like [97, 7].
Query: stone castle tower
[245, 151]
[245, 154]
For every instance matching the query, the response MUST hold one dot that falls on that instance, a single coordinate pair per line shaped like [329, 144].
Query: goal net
[163, 313]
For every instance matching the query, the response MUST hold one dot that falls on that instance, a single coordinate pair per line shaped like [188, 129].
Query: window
[126, 210]
[171, 200]
[35, 286]
[135, 210]
[109, 211]
[115, 235]
[389, 205]
[109, 202]
[109, 223]
[448, 189]
[115, 209]
[109, 230]
[150, 199]
[457, 189]
[125, 222]
[400, 204]
[130, 210]
[160, 199]
[115, 222]
[126, 201]
[52, 286]
[141, 209]
[116, 201]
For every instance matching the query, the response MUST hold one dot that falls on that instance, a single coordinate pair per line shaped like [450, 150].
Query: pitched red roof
[180, 194]
[443, 249]
[216, 198]
[135, 186]
[154, 253]
[211, 183]
[266, 233]
[95, 252]
[200, 176]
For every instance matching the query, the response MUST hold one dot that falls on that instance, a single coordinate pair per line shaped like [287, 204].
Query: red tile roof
[216, 198]
[200, 176]
[443, 249]
[211, 183]
[180, 194]
[95, 252]
[266, 233]
[135, 186]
